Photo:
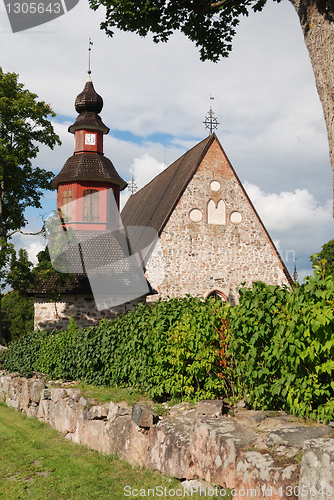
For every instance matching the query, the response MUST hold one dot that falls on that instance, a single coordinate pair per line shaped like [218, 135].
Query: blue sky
[156, 97]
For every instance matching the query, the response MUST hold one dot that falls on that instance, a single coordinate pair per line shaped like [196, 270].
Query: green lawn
[36, 462]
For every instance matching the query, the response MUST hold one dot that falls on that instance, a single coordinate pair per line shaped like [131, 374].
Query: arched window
[66, 207]
[217, 294]
[216, 214]
[90, 205]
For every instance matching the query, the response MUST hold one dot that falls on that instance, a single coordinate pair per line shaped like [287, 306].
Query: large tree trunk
[316, 19]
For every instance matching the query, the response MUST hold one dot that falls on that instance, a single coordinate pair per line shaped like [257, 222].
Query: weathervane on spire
[89, 49]
[132, 185]
[210, 121]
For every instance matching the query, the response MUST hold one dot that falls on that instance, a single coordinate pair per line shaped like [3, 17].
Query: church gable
[214, 240]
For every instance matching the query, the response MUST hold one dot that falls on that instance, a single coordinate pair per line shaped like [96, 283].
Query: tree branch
[26, 234]
[218, 4]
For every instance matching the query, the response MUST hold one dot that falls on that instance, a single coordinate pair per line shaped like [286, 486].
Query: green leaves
[323, 262]
[283, 346]
[211, 27]
[24, 124]
[171, 349]
[276, 349]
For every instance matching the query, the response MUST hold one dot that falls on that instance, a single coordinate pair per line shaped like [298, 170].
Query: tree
[17, 315]
[211, 25]
[323, 261]
[24, 125]
[17, 308]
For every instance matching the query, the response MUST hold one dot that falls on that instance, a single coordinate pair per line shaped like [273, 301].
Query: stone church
[210, 237]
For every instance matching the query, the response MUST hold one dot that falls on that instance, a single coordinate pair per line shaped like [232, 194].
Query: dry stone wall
[199, 443]
[214, 239]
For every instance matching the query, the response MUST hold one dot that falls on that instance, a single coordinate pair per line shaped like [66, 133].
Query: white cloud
[33, 249]
[143, 169]
[298, 223]
[297, 212]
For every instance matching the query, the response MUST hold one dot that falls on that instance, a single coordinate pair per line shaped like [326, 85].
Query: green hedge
[21, 354]
[282, 344]
[168, 349]
[275, 349]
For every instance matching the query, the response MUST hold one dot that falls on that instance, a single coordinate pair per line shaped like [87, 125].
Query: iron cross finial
[210, 121]
[132, 185]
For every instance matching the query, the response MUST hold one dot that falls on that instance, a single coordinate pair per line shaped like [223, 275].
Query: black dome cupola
[88, 104]
[89, 99]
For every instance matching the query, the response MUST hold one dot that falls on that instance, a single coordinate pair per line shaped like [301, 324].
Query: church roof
[89, 99]
[101, 258]
[153, 205]
[88, 104]
[90, 120]
[88, 167]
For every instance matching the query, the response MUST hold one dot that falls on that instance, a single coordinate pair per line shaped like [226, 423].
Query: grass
[36, 463]
[129, 395]
[107, 394]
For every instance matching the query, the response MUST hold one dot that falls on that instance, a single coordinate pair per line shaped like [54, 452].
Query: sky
[156, 97]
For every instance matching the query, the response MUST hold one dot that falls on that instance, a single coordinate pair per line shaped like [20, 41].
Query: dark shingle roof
[88, 167]
[89, 99]
[90, 120]
[79, 284]
[88, 104]
[103, 258]
[153, 205]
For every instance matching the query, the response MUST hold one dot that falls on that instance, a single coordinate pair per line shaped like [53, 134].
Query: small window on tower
[66, 207]
[90, 205]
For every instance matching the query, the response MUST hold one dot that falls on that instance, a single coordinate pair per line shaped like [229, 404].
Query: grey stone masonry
[229, 451]
[56, 315]
[214, 240]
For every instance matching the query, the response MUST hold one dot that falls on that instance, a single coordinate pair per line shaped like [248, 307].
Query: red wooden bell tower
[88, 183]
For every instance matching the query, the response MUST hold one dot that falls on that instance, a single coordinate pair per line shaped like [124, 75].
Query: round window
[235, 217]
[195, 215]
[215, 185]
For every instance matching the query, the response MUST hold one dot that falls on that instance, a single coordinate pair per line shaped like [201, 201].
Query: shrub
[22, 353]
[168, 349]
[17, 313]
[282, 344]
[50, 348]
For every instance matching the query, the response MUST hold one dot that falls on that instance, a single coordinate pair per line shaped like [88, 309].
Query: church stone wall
[199, 257]
[56, 315]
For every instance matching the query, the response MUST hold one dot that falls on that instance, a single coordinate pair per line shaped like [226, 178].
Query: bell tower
[88, 184]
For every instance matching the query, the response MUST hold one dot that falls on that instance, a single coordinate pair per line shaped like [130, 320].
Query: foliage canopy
[24, 124]
[211, 25]
[323, 261]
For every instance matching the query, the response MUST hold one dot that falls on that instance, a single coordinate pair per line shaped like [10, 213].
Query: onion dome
[88, 167]
[89, 104]
[89, 100]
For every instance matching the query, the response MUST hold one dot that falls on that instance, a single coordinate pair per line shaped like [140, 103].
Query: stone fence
[254, 453]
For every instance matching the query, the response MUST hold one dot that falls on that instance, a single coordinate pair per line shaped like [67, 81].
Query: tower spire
[295, 274]
[210, 121]
[89, 50]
